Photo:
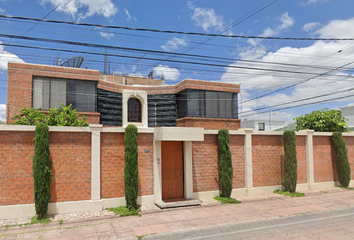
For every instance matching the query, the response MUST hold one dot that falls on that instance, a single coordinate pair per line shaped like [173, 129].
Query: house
[348, 113]
[262, 125]
[121, 100]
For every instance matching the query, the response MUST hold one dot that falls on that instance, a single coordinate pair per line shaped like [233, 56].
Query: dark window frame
[136, 116]
[263, 126]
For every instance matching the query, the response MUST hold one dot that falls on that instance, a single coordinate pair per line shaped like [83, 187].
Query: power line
[178, 32]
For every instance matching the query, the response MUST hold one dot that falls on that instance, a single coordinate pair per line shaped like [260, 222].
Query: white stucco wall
[269, 126]
[348, 113]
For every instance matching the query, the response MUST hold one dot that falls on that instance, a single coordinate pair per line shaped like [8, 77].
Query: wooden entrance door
[172, 170]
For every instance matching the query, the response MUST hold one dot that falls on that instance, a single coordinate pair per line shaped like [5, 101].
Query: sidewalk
[170, 220]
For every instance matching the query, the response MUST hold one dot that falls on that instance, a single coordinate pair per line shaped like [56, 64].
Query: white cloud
[7, 57]
[308, 2]
[107, 35]
[285, 22]
[315, 59]
[2, 10]
[81, 9]
[310, 26]
[167, 72]
[206, 18]
[3, 112]
[174, 44]
[128, 14]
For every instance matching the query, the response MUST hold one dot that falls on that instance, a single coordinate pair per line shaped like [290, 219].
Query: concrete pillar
[309, 157]
[248, 159]
[157, 172]
[188, 170]
[96, 202]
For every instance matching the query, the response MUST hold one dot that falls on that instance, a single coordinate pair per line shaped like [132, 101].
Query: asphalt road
[336, 224]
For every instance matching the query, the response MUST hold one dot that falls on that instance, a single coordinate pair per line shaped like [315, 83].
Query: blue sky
[310, 71]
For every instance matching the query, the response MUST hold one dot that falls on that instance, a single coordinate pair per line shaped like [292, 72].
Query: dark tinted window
[134, 110]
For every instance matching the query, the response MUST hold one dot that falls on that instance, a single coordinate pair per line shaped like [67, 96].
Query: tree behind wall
[225, 162]
[290, 161]
[131, 166]
[41, 170]
[343, 166]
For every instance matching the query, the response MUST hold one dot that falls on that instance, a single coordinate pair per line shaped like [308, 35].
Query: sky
[278, 78]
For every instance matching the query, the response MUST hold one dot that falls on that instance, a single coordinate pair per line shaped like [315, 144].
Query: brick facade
[209, 123]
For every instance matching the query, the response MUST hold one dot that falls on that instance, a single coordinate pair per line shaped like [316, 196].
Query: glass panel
[57, 93]
[234, 106]
[261, 126]
[194, 104]
[211, 104]
[40, 93]
[82, 95]
[225, 105]
[182, 104]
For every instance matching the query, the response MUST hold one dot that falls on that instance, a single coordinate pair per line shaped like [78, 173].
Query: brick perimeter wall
[16, 180]
[206, 163]
[350, 150]
[325, 169]
[301, 159]
[268, 155]
[112, 164]
[70, 153]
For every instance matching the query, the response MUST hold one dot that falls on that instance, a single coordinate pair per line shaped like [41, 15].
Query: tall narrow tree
[41, 170]
[131, 166]
[225, 163]
[290, 161]
[343, 166]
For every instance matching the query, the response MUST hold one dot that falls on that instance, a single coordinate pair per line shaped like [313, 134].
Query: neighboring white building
[348, 113]
[262, 125]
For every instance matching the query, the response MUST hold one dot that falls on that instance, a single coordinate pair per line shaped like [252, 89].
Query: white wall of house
[262, 125]
[348, 113]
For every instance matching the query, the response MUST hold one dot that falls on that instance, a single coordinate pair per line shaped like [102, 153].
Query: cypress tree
[131, 166]
[41, 170]
[290, 161]
[225, 163]
[343, 167]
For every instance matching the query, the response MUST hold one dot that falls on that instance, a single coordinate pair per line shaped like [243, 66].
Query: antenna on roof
[74, 62]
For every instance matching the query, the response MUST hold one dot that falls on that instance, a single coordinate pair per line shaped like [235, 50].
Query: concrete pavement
[191, 220]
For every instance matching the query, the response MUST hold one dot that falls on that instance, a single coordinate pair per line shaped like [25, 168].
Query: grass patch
[295, 194]
[346, 188]
[36, 220]
[224, 200]
[124, 211]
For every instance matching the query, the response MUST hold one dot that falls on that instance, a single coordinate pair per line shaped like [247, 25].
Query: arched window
[134, 110]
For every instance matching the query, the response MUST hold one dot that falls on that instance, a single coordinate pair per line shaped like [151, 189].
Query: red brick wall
[268, 155]
[206, 163]
[112, 165]
[324, 161]
[301, 159]
[238, 163]
[70, 153]
[350, 151]
[16, 181]
[209, 123]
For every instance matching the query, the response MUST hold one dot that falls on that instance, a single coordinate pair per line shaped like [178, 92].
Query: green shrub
[29, 116]
[131, 166]
[290, 162]
[65, 116]
[61, 116]
[343, 166]
[225, 162]
[41, 170]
